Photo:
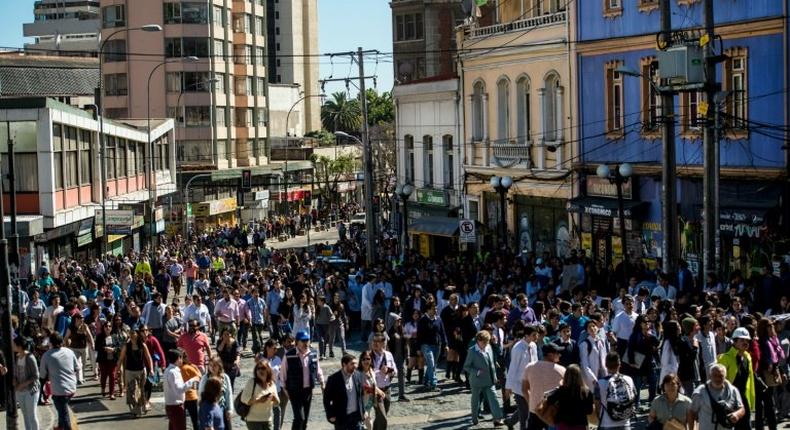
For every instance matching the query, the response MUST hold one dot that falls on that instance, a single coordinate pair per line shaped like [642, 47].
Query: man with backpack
[616, 395]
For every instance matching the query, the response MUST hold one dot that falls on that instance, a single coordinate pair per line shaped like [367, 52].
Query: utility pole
[14, 252]
[669, 199]
[7, 329]
[370, 217]
[710, 192]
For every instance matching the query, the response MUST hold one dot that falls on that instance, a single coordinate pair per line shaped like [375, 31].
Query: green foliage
[325, 137]
[341, 114]
[329, 172]
[381, 109]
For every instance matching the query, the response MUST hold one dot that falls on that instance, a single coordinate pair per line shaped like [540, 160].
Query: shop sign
[598, 210]
[262, 195]
[214, 207]
[432, 197]
[84, 240]
[466, 230]
[741, 223]
[159, 214]
[600, 187]
[86, 227]
[139, 221]
[587, 242]
[160, 226]
[117, 221]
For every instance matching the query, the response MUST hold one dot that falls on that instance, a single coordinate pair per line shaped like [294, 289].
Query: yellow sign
[702, 108]
[617, 247]
[214, 207]
[425, 245]
[587, 241]
[704, 40]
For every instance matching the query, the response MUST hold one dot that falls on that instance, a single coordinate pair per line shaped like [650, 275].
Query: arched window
[478, 111]
[523, 110]
[503, 110]
[427, 145]
[551, 105]
[447, 148]
[409, 144]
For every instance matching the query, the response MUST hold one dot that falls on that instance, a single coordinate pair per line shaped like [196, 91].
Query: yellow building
[516, 84]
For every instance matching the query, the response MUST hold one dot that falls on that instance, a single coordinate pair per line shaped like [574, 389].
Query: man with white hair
[717, 390]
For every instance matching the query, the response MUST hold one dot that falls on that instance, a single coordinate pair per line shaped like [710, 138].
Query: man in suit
[343, 396]
[480, 366]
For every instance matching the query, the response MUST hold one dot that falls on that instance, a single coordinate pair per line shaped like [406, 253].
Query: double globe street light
[619, 176]
[501, 185]
[404, 191]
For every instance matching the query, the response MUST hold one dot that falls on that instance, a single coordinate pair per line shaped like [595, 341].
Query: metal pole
[8, 331]
[186, 202]
[503, 216]
[370, 217]
[709, 180]
[405, 225]
[716, 178]
[619, 180]
[670, 251]
[14, 254]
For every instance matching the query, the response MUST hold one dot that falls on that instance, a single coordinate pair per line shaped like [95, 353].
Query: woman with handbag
[260, 394]
[573, 401]
[642, 347]
[669, 410]
[372, 394]
[228, 351]
[771, 354]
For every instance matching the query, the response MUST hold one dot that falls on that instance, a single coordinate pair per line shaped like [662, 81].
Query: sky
[344, 25]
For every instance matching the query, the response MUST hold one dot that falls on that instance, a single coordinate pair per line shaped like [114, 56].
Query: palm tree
[341, 114]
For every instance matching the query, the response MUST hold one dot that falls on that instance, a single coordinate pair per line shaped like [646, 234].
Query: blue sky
[344, 25]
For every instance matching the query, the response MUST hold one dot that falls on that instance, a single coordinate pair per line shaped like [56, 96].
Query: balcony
[510, 153]
[520, 25]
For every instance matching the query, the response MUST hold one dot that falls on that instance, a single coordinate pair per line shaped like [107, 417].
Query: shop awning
[601, 206]
[435, 226]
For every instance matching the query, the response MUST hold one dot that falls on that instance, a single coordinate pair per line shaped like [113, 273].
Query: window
[219, 86]
[132, 157]
[614, 100]
[113, 16]
[198, 116]
[449, 174]
[261, 117]
[173, 82]
[186, 13]
[551, 108]
[220, 48]
[260, 54]
[240, 83]
[692, 122]
[115, 84]
[239, 54]
[140, 158]
[537, 8]
[523, 110]
[239, 22]
[651, 99]
[648, 5]
[57, 147]
[478, 112]
[70, 157]
[173, 47]
[503, 110]
[408, 27]
[122, 159]
[249, 90]
[612, 8]
[220, 116]
[409, 143]
[243, 117]
[172, 13]
[219, 17]
[260, 87]
[86, 140]
[186, 47]
[28, 163]
[427, 145]
[259, 27]
[735, 80]
[115, 50]
[196, 82]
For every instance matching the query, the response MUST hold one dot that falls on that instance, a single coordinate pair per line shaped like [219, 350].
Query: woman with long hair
[275, 362]
[210, 415]
[107, 358]
[573, 399]
[669, 409]
[415, 356]
[228, 351]
[372, 394]
[642, 348]
[260, 393]
[137, 362]
[398, 345]
[215, 370]
[26, 383]
[120, 335]
[378, 328]
[302, 314]
[669, 349]
[337, 326]
[771, 355]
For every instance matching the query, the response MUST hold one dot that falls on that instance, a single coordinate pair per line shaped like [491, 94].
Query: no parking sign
[466, 230]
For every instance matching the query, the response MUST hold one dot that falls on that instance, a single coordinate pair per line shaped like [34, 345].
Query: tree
[325, 138]
[329, 172]
[341, 114]
[381, 109]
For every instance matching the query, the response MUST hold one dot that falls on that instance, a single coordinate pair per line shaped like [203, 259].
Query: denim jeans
[62, 406]
[28, 401]
[244, 329]
[430, 353]
[257, 338]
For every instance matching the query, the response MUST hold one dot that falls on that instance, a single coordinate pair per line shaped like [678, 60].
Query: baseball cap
[302, 335]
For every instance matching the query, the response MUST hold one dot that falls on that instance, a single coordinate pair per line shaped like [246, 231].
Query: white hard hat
[741, 333]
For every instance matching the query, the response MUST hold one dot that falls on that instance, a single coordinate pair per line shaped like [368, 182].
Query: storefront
[215, 213]
[541, 225]
[256, 206]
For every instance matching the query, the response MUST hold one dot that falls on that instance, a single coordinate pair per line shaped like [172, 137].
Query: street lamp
[370, 221]
[151, 28]
[501, 185]
[404, 191]
[618, 177]
[285, 174]
[150, 174]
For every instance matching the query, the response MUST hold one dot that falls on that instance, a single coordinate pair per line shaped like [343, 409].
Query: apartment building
[64, 25]
[292, 33]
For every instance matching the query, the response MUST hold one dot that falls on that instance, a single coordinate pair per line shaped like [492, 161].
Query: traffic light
[246, 180]
[376, 205]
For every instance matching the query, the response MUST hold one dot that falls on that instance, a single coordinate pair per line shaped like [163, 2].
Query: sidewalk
[96, 412]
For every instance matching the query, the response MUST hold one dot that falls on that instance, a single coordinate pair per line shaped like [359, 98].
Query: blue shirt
[576, 325]
[256, 307]
[210, 416]
[274, 298]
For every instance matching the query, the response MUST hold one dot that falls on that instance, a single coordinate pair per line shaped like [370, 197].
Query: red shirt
[195, 346]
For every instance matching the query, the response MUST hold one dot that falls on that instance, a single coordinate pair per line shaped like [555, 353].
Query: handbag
[674, 424]
[773, 379]
[721, 410]
[636, 363]
[546, 411]
[242, 409]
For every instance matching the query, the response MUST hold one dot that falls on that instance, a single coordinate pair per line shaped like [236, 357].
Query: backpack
[620, 400]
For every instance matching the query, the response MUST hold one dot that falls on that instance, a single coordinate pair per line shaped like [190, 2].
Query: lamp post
[404, 191]
[100, 114]
[287, 121]
[501, 185]
[370, 221]
[618, 177]
[150, 174]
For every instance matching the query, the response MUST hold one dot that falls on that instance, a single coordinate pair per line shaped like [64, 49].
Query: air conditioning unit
[682, 65]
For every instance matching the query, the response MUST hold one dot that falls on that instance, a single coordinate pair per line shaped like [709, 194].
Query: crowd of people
[539, 341]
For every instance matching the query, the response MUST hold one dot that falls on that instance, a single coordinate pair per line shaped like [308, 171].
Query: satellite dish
[406, 68]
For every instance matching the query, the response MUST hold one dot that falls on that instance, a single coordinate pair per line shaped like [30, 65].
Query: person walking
[136, 361]
[60, 366]
[384, 369]
[210, 415]
[300, 373]
[670, 409]
[480, 365]
[26, 383]
[189, 371]
[523, 353]
[174, 389]
[540, 377]
[737, 363]
[216, 371]
[430, 337]
[399, 346]
[573, 399]
[716, 390]
[260, 394]
[616, 395]
[343, 396]
[79, 338]
[107, 358]
[771, 356]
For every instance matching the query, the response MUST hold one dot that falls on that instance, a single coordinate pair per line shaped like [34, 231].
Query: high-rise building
[293, 38]
[64, 25]
[205, 68]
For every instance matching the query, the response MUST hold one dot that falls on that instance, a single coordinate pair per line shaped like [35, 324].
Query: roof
[40, 75]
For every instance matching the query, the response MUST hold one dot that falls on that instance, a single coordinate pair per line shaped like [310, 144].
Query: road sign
[466, 229]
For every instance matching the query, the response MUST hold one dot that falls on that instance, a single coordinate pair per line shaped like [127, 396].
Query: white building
[64, 25]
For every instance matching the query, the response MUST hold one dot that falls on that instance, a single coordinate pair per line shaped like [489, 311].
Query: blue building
[620, 120]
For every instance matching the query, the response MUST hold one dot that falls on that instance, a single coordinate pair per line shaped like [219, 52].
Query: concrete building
[516, 80]
[59, 194]
[219, 101]
[71, 80]
[428, 118]
[64, 25]
[293, 35]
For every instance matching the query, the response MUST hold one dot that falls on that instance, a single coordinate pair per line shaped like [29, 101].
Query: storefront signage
[432, 197]
[159, 214]
[600, 187]
[214, 207]
[160, 226]
[466, 231]
[117, 221]
[84, 240]
[741, 223]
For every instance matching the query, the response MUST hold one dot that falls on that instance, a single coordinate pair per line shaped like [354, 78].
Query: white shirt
[351, 393]
[523, 354]
[623, 325]
[367, 301]
[174, 386]
[383, 380]
[199, 313]
[707, 346]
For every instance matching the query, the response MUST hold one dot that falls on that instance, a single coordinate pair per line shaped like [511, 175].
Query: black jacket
[335, 399]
